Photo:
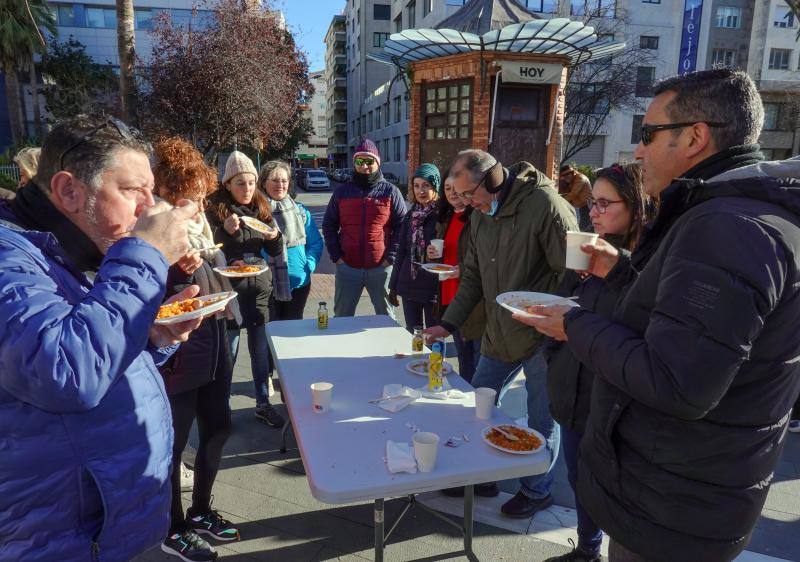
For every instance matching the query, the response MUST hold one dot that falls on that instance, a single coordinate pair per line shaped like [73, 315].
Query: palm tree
[126, 45]
[20, 40]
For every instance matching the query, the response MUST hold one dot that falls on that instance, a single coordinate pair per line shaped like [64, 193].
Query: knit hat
[368, 148]
[430, 173]
[238, 163]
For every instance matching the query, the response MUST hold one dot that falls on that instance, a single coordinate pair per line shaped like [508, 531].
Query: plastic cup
[321, 393]
[426, 447]
[438, 243]
[484, 402]
[577, 259]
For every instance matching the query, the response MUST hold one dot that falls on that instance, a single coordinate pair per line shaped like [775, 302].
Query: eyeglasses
[646, 131]
[121, 127]
[470, 193]
[283, 181]
[364, 161]
[602, 204]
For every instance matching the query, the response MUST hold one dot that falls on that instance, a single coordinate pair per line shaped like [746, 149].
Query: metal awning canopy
[558, 36]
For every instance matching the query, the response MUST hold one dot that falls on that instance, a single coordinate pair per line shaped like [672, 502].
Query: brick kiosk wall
[468, 66]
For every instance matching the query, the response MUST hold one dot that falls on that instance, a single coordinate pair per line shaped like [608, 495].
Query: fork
[504, 433]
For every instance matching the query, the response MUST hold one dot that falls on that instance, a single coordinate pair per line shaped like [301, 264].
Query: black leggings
[289, 310]
[210, 404]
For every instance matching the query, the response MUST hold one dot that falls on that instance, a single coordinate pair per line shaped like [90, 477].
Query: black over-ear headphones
[493, 178]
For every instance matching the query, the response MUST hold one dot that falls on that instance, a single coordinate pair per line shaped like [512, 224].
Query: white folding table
[343, 450]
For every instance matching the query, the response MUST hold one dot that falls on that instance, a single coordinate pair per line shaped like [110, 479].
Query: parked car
[300, 177]
[316, 179]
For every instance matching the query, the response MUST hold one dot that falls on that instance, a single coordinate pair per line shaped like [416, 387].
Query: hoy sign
[528, 72]
[690, 34]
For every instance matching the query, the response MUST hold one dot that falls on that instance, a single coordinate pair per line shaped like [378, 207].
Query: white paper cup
[576, 259]
[426, 447]
[484, 402]
[321, 393]
[438, 243]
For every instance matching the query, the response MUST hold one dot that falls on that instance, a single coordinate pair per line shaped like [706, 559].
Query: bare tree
[126, 46]
[596, 88]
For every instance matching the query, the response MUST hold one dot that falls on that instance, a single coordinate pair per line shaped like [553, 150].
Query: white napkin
[400, 457]
[396, 397]
[448, 392]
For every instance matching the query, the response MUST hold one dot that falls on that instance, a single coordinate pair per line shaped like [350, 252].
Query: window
[456, 2]
[447, 114]
[397, 114]
[603, 8]
[378, 118]
[771, 111]
[398, 155]
[143, 19]
[66, 15]
[398, 23]
[636, 129]
[382, 12]
[651, 1]
[320, 118]
[427, 7]
[784, 17]
[723, 57]
[541, 6]
[586, 99]
[411, 13]
[101, 17]
[779, 59]
[379, 39]
[405, 99]
[648, 42]
[386, 119]
[605, 36]
[364, 124]
[386, 152]
[182, 18]
[645, 76]
[728, 16]
[369, 122]
[405, 152]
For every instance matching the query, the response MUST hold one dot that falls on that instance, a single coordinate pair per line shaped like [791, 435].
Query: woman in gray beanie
[418, 287]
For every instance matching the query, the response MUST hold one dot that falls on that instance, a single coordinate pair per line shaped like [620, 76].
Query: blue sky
[309, 21]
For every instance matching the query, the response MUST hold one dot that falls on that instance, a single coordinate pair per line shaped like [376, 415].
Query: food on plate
[182, 307]
[441, 268]
[242, 269]
[258, 225]
[527, 441]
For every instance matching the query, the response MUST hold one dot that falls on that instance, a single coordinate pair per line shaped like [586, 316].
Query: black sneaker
[189, 547]
[213, 524]
[269, 415]
[488, 490]
[522, 507]
[576, 555]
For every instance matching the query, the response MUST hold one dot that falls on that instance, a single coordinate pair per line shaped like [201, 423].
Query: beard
[96, 229]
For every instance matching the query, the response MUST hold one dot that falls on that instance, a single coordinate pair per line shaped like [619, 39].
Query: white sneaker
[794, 426]
[187, 478]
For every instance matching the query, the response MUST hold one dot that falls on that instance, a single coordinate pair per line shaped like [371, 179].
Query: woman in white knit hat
[239, 198]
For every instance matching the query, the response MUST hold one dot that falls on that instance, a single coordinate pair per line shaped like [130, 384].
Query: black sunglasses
[124, 131]
[647, 131]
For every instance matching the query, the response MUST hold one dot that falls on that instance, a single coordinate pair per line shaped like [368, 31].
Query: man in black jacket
[698, 371]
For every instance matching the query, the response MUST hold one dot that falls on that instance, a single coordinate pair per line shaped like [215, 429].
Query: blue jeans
[590, 537]
[496, 374]
[350, 282]
[259, 358]
[469, 352]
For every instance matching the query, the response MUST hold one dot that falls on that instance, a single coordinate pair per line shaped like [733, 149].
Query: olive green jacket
[521, 248]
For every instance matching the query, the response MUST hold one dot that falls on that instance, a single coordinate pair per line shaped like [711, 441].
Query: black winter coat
[696, 375]
[569, 381]
[425, 288]
[246, 244]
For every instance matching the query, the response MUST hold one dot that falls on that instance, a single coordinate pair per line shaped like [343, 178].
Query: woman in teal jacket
[291, 271]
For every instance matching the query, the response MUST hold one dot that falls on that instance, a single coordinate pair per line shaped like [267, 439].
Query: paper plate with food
[439, 269]
[523, 301]
[526, 441]
[257, 225]
[197, 307]
[420, 367]
[245, 270]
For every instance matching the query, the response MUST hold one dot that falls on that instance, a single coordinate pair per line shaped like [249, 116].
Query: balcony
[340, 127]
[338, 83]
[340, 103]
[339, 37]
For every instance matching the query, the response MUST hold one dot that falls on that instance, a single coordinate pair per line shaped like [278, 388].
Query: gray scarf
[291, 221]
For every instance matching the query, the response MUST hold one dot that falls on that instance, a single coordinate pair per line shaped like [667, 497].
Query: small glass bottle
[417, 340]
[322, 316]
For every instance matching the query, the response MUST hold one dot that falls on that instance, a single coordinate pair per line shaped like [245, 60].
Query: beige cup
[484, 402]
[321, 394]
[426, 448]
[576, 258]
[438, 243]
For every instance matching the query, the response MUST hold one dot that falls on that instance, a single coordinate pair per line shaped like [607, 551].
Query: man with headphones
[517, 243]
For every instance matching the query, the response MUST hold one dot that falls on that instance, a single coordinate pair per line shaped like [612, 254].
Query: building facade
[314, 153]
[336, 101]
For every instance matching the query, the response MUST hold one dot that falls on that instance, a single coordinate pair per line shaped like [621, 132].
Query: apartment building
[315, 151]
[336, 100]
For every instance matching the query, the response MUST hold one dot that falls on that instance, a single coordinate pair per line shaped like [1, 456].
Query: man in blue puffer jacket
[85, 427]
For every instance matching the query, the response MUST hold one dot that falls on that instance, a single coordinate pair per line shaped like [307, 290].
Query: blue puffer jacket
[85, 425]
[303, 260]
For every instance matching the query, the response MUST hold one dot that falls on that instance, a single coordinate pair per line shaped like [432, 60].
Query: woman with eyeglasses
[302, 244]
[198, 376]
[239, 198]
[619, 211]
[418, 287]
